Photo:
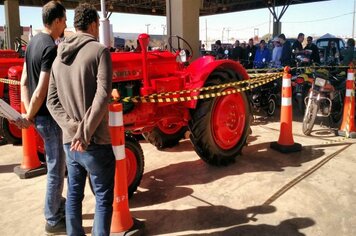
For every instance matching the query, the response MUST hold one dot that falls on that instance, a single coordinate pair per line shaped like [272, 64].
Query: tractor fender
[201, 69]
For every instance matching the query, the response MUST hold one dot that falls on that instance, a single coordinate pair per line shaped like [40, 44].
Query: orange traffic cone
[31, 165]
[122, 223]
[347, 128]
[285, 142]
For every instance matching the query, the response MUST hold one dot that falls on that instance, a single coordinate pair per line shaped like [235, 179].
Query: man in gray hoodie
[78, 96]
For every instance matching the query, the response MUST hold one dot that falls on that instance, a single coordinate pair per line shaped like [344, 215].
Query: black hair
[51, 11]
[300, 35]
[351, 42]
[282, 36]
[84, 15]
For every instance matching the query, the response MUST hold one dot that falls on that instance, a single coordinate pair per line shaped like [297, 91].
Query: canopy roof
[158, 7]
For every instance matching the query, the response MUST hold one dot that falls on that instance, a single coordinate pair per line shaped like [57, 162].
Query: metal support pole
[104, 30]
[353, 21]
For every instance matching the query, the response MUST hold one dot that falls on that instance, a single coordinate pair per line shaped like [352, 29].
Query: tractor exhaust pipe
[144, 40]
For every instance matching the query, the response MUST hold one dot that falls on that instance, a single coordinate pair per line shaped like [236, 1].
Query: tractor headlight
[320, 82]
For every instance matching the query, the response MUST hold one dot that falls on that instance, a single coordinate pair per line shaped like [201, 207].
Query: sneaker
[59, 228]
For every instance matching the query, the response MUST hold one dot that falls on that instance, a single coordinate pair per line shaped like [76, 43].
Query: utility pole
[147, 28]
[269, 29]
[222, 35]
[228, 34]
[206, 32]
[353, 21]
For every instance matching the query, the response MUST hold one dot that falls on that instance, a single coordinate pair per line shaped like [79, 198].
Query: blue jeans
[51, 134]
[99, 162]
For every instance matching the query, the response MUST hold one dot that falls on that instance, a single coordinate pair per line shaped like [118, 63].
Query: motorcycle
[265, 97]
[301, 81]
[325, 99]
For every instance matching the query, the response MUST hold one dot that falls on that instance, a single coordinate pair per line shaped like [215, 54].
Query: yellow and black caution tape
[163, 97]
[268, 70]
[196, 90]
[264, 70]
[9, 81]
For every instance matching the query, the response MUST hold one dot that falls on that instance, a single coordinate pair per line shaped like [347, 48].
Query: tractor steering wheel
[188, 51]
[19, 42]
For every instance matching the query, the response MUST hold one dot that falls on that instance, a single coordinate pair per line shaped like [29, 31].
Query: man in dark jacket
[286, 57]
[349, 53]
[219, 50]
[237, 52]
[297, 45]
[251, 52]
[311, 47]
[78, 96]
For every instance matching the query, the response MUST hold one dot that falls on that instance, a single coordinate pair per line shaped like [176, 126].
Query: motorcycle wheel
[309, 116]
[336, 114]
[271, 108]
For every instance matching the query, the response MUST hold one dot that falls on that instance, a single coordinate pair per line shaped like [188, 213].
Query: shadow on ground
[7, 168]
[172, 182]
[199, 218]
[288, 227]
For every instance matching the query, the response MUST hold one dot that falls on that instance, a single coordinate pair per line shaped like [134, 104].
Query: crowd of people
[280, 52]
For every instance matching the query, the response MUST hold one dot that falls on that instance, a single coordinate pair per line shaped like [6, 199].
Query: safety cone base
[137, 229]
[296, 147]
[30, 173]
[343, 134]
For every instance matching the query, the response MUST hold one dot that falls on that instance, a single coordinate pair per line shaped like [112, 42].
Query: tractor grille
[15, 94]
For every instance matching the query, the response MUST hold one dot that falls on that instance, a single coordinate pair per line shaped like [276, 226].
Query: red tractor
[149, 83]
[9, 93]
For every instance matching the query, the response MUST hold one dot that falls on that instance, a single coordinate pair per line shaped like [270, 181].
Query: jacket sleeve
[56, 109]
[99, 108]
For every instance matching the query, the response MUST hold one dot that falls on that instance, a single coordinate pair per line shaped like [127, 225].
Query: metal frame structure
[158, 7]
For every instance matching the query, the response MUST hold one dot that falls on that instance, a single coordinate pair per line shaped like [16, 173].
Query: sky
[315, 19]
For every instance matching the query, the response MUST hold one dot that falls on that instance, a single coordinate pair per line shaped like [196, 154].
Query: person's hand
[22, 123]
[77, 145]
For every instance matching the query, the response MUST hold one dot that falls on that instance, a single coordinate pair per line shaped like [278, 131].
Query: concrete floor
[312, 192]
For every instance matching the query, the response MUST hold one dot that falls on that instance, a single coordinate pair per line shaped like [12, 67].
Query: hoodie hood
[68, 49]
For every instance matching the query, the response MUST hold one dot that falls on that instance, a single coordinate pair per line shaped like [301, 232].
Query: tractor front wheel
[165, 136]
[134, 164]
[220, 125]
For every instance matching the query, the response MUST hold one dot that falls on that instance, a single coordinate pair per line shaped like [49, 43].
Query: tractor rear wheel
[165, 136]
[10, 132]
[220, 125]
[134, 164]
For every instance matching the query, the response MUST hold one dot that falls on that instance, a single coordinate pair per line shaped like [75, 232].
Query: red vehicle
[9, 58]
[219, 125]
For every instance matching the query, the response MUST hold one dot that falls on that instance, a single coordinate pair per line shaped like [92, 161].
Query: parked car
[323, 43]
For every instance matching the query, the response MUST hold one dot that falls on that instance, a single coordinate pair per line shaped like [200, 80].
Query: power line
[323, 19]
[232, 29]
